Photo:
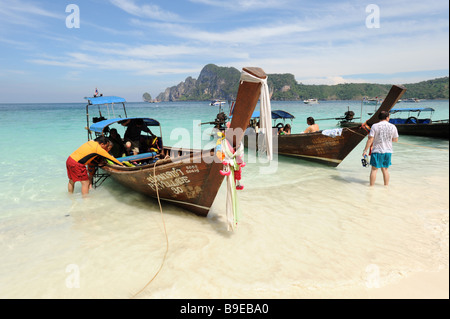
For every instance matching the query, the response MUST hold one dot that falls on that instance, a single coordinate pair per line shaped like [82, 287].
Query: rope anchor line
[165, 233]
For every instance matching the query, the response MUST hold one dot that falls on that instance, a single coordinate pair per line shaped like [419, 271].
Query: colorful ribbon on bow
[233, 162]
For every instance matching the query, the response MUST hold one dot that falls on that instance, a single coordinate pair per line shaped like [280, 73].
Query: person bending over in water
[87, 154]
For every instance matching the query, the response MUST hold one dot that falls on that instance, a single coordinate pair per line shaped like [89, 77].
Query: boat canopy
[100, 126]
[277, 114]
[99, 100]
[412, 109]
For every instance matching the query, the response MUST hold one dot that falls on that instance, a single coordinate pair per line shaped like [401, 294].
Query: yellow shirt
[87, 152]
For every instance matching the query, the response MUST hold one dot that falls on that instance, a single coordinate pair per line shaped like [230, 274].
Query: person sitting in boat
[128, 149]
[287, 129]
[87, 154]
[133, 132]
[118, 148]
[152, 143]
[313, 127]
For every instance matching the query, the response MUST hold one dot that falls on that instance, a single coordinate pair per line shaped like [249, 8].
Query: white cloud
[24, 13]
[321, 47]
[243, 5]
[241, 35]
[80, 60]
[146, 11]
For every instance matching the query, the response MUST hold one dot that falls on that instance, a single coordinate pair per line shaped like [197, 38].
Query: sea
[305, 230]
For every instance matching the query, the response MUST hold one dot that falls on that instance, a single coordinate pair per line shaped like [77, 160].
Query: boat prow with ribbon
[189, 178]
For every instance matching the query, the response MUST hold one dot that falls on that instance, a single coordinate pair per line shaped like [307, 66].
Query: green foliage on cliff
[216, 82]
[431, 89]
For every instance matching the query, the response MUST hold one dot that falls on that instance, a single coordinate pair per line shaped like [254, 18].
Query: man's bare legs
[85, 185]
[71, 186]
[385, 172]
[373, 175]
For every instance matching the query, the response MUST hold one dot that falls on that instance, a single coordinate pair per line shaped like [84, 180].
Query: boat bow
[192, 179]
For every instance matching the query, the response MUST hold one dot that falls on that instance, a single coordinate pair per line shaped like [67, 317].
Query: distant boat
[411, 124]
[411, 100]
[218, 103]
[372, 101]
[311, 101]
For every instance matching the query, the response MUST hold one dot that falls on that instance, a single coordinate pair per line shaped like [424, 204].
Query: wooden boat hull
[349, 124]
[439, 129]
[321, 148]
[315, 147]
[331, 150]
[191, 181]
[191, 178]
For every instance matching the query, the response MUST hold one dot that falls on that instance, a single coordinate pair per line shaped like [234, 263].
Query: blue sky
[128, 47]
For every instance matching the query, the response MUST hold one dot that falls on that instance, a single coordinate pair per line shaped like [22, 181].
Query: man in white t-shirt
[381, 136]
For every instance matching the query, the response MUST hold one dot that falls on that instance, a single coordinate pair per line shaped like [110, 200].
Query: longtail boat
[328, 147]
[189, 178]
[412, 124]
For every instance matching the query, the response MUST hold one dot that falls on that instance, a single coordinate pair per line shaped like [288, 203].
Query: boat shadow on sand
[331, 171]
[137, 201]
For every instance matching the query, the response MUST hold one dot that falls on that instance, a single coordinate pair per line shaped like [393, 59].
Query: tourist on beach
[86, 155]
[313, 127]
[381, 136]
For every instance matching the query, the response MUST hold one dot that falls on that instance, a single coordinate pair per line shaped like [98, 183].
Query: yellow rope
[356, 132]
[165, 232]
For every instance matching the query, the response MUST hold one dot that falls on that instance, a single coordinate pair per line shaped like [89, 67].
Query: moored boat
[188, 178]
[412, 124]
[311, 101]
[329, 147]
[217, 103]
[411, 100]
[276, 116]
[372, 101]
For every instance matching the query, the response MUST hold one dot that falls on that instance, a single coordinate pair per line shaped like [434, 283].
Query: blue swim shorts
[379, 160]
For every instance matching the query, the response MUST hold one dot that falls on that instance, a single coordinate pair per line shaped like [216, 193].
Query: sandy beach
[423, 285]
[306, 231]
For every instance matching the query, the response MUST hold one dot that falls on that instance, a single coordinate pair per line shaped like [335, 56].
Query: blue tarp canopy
[278, 114]
[99, 126]
[105, 100]
[412, 109]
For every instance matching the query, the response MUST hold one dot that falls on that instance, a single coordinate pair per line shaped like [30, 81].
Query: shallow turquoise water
[317, 228]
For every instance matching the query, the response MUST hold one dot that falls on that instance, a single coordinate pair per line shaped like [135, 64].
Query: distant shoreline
[194, 101]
